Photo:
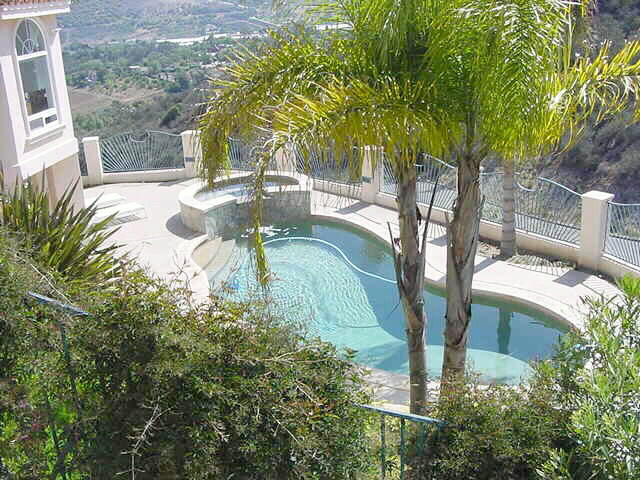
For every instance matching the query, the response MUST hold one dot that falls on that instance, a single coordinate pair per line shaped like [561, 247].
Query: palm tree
[542, 95]
[508, 238]
[457, 77]
[578, 39]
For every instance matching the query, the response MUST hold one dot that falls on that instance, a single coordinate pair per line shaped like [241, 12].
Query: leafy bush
[61, 237]
[175, 390]
[492, 432]
[597, 377]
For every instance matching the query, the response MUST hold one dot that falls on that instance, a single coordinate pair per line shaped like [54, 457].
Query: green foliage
[597, 375]
[61, 237]
[493, 432]
[173, 389]
[170, 116]
[105, 20]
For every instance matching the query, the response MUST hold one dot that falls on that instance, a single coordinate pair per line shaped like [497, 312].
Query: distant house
[36, 128]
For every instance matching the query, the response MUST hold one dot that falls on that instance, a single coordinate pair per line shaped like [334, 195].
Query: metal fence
[150, 150]
[623, 233]
[547, 208]
[243, 155]
[240, 155]
[427, 171]
[395, 438]
[321, 164]
[82, 161]
[550, 210]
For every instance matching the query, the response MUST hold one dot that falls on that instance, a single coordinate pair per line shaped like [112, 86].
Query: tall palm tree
[508, 238]
[578, 35]
[460, 78]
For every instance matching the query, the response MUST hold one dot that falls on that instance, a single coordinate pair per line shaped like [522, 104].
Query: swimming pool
[340, 283]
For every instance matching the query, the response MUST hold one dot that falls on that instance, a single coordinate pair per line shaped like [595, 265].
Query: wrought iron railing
[321, 164]
[623, 233]
[395, 439]
[547, 208]
[151, 150]
[82, 161]
[240, 155]
[491, 188]
[427, 172]
[243, 155]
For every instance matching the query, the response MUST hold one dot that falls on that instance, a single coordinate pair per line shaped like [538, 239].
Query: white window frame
[52, 110]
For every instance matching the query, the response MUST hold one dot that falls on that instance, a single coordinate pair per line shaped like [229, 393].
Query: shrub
[61, 237]
[224, 390]
[492, 432]
[597, 378]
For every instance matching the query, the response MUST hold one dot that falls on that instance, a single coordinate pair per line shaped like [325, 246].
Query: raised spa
[339, 283]
[221, 210]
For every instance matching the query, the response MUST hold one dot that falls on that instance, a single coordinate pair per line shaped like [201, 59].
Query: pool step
[124, 212]
[105, 200]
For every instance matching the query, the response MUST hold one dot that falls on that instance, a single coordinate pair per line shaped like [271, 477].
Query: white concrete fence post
[285, 159]
[593, 228]
[93, 159]
[371, 174]
[192, 152]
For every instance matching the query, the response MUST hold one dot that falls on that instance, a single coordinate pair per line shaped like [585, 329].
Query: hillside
[94, 21]
[608, 155]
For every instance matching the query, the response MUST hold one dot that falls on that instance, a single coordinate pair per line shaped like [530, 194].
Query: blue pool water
[339, 283]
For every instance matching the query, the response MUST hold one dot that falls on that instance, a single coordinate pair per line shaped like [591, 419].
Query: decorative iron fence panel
[82, 161]
[427, 172]
[240, 155]
[321, 164]
[151, 150]
[491, 188]
[243, 155]
[548, 208]
[623, 233]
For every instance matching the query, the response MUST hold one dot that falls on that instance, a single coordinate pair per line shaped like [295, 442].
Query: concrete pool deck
[160, 241]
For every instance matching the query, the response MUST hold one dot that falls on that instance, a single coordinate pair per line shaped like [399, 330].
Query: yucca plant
[61, 237]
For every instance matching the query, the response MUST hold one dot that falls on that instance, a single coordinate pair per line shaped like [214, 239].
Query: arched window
[31, 52]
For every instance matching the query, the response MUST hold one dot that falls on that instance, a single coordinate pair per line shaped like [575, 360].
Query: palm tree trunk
[462, 243]
[508, 240]
[504, 331]
[410, 277]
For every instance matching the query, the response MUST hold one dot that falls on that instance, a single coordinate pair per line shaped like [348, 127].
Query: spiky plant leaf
[63, 238]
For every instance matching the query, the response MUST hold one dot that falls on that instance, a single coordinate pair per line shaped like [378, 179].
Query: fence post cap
[597, 195]
[90, 139]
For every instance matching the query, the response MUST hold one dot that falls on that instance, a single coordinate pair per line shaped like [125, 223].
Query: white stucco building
[36, 129]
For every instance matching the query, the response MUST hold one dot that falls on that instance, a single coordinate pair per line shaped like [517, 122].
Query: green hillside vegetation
[107, 20]
[608, 155]
[174, 77]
